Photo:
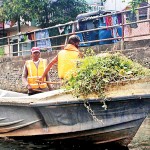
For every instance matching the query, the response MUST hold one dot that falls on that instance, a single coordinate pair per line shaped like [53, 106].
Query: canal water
[141, 141]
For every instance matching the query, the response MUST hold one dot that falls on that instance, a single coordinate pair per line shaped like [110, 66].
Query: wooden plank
[49, 82]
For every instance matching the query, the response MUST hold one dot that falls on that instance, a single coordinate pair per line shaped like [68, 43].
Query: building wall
[13, 32]
[11, 67]
[95, 5]
[24, 29]
[142, 29]
[137, 30]
[92, 1]
[116, 5]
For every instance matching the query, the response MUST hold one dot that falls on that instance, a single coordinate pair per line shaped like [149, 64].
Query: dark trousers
[31, 92]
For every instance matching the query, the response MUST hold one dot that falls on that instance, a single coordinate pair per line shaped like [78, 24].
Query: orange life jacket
[67, 60]
[34, 73]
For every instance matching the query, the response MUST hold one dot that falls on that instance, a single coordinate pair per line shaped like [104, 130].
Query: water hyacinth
[95, 73]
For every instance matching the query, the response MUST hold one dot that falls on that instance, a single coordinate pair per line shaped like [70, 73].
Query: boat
[59, 115]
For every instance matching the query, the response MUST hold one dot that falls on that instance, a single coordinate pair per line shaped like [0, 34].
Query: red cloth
[108, 21]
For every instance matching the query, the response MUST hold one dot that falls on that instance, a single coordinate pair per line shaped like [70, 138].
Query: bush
[95, 73]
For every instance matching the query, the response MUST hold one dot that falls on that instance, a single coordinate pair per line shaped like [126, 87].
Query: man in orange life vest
[66, 58]
[33, 69]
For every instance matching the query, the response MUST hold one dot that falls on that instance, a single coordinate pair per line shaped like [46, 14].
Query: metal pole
[122, 41]
[34, 39]
[8, 40]
[18, 46]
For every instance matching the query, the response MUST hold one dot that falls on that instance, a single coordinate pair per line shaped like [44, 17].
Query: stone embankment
[11, 67]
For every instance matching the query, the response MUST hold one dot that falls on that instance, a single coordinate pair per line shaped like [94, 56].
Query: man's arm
[24, 78]
[49, 66]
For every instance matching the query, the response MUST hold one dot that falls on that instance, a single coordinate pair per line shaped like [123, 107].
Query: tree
[26, 9]
[135, 3]
[45, 12]
[62, 11]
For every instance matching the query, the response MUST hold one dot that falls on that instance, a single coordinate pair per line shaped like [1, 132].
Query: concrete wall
[11, 67]
[11, 71]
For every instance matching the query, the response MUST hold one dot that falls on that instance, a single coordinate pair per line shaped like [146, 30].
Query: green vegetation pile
[95, 73]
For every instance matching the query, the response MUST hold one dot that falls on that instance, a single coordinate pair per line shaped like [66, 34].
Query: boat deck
[135, 88]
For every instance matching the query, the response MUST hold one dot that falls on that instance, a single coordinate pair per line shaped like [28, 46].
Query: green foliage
[66, 10]
[46, 12]
[27, 9]
[135, 3]
[2, 51]
[95, 73]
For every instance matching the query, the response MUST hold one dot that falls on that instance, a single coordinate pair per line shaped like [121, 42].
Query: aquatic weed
[95, 73]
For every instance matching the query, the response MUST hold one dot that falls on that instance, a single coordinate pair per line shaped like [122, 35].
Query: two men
[32, 71]
[36, 69]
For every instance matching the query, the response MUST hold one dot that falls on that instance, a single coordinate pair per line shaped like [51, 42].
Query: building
[137, 29]
[1, 1]
[117, 5]
[95, 5]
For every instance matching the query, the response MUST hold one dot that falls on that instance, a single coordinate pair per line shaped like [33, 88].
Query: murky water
[140, 142]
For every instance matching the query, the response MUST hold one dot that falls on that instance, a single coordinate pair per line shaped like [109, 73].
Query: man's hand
[41, 79]
[29, 87]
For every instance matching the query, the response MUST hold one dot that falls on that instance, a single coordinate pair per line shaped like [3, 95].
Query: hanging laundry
[73, 27]
[115, 29]
[21, 38]
[90, 24]
[61, 29]
[119, 16]
[96, 23]
[114, 19]
[131, 17]
[7, 24]
[102, 21]
[82, 26]
[43, 43]
[108, 20]
[30, 36]
[77, 25]
[68, 29]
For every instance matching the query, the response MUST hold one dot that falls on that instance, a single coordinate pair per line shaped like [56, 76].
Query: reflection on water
[38, 145]
[140, 142]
